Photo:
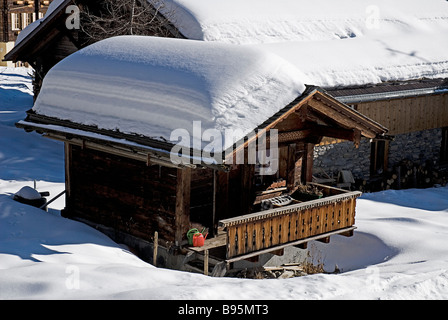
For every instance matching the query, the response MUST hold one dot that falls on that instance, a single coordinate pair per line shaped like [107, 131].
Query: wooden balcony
[265, 231]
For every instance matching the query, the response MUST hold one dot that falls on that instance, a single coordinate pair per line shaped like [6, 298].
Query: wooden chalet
[127, 186]
[14, 17]
[410, 109]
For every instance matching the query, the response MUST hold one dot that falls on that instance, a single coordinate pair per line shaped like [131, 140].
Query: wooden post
[291, 166]
[324, 240]
[221, 195]
[156, 247]
[182, 215]
[247, 174]
[37, 8]
[307, 164]
[214, 221]
[206, 262]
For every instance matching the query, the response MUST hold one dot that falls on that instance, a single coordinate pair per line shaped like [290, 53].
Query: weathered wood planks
[410, 114]
[126, 194]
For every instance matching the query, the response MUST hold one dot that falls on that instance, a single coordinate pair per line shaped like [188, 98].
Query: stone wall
[417, 146]
[344, 156]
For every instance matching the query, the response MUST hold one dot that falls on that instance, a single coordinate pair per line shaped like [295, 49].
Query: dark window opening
[444, 146]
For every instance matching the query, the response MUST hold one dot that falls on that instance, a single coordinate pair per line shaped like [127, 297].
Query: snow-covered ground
[399, 250]
[24, 156]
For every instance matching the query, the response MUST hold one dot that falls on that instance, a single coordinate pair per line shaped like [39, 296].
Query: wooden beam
[307, 164]
[206, 263]
[182, 214]
[247, 190]
[222, 195]
[155, 249]
[274, 123]
[342, 117]
[278, 252]
[349, 233]
[291, 166]
[338, 133]
[325, 239]
[371, 125]
[303, 245]
[291, 136]
[68, 159]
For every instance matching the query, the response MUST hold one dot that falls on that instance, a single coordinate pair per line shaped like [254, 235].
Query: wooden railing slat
[276, 227]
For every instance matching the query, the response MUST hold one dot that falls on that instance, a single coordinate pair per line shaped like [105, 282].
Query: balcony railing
[276, 228]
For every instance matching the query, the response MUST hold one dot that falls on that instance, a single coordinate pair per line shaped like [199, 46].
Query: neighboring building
[14, 17]
[416, 114]
[57, 36]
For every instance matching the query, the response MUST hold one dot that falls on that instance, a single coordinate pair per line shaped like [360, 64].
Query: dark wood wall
[132, 197]
[55, 52]
[201, 202]
[124, 194]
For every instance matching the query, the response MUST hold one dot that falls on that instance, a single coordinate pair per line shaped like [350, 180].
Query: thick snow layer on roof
[53, 6]
[262, 21]
[29, 28]
[152, 86]
[361, 61]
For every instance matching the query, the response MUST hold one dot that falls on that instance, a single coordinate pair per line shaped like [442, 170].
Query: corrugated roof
[390, 90]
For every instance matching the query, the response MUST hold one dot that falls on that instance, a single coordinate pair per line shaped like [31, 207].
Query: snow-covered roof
[263, 21]
[53, 6]
[29, 28]
[151, 86]
[255, 60]
[334, 43]
[364, 60]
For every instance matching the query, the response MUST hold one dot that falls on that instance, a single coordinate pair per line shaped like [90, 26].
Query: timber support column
[182, 214]
[308, 163]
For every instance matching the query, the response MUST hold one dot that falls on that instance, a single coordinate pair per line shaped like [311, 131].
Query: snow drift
[397, 252]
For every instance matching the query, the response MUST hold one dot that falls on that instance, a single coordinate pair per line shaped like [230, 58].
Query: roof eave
[145, 149]
[15, 53]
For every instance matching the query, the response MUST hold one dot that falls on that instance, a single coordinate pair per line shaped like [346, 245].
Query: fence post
[206, 263]
[156, 245]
